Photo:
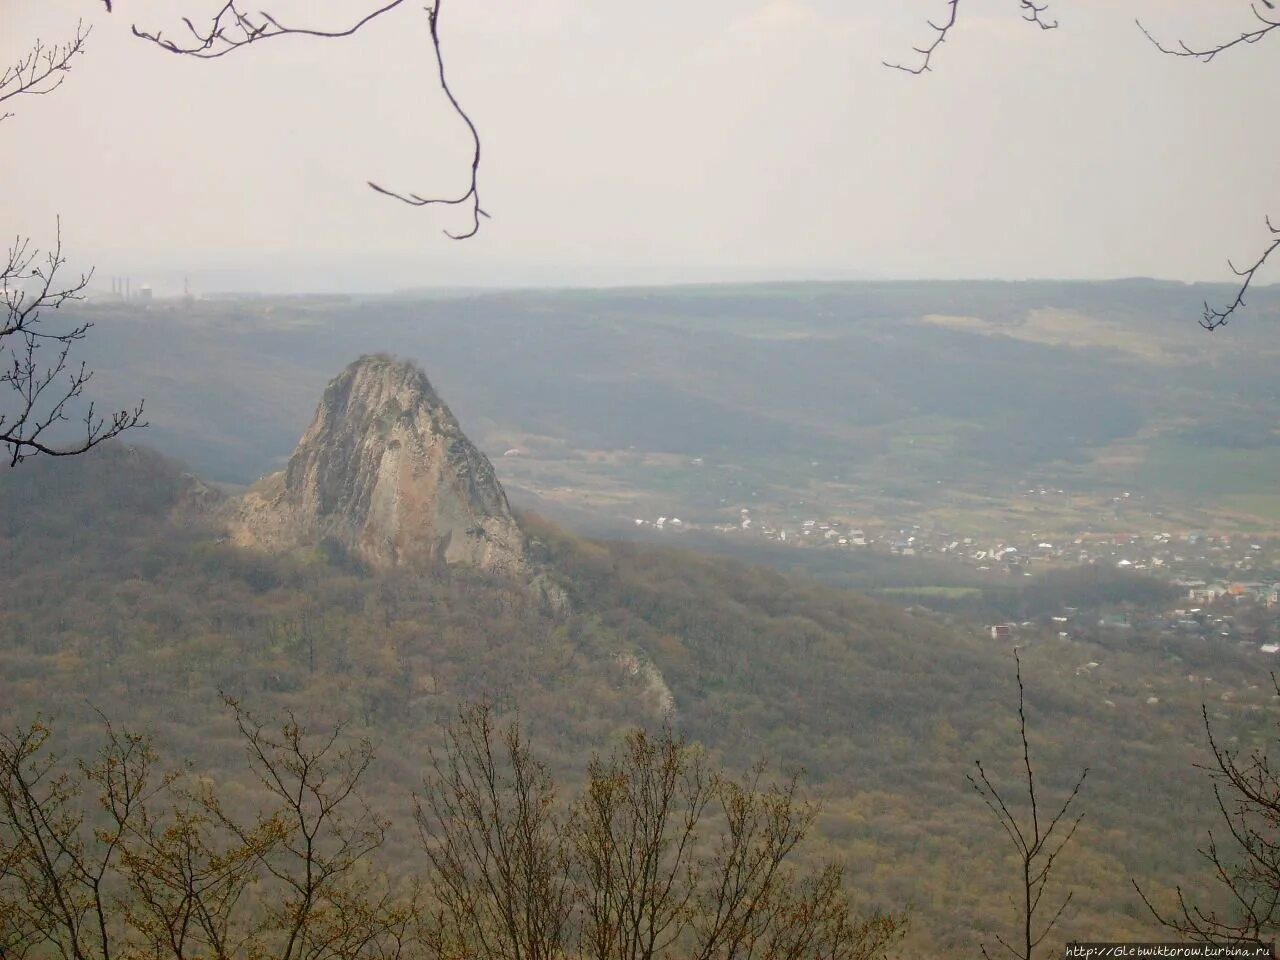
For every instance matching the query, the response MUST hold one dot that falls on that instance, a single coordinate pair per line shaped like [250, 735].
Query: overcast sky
[663, 141]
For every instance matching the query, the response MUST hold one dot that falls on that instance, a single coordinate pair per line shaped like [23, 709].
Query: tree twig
[42, 69]
[472, 195]
[1205, 54]
[1032, 12]
[926, 52]
[1215, 317]
[233, 29]
[42, 393]
[1032, 839]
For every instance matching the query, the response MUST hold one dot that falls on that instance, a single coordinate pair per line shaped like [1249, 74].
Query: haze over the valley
[652, 143]
[640, 578]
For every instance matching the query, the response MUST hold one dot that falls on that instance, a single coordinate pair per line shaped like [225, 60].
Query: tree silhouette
[660, 857]
[233, 29]
[1037, 840]
[1244, 859]
[1212, 317]
[41, 386]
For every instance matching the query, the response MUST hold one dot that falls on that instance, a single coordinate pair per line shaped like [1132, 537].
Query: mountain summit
[385, 472]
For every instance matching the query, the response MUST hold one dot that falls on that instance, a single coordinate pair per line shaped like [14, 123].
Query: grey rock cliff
[385, 471]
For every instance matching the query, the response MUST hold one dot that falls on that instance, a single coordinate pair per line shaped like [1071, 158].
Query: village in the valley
[1227, 585]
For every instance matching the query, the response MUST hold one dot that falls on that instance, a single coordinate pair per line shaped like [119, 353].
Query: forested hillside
[121, 594]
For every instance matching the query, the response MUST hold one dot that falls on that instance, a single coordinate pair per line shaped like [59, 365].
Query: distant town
[1227, 586]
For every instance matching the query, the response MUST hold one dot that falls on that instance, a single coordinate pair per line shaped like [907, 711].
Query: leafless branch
[233, 28]
[42, 69]
[1205, 54]
[1215, 317]
[1032, 12]
[1247, 792]
[635, 870]
[926, 52]
[471, 198]
[38, 393]
[1038, 842]
[494, 841]
[43, 384]
[110, 858]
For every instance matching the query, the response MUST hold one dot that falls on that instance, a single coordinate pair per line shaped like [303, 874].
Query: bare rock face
[385, 472]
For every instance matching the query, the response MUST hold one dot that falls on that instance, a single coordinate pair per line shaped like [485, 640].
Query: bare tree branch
[314, 862]
[1037, 842]
[1215, 317]
[1205, 54]
[107, 858]
[1247, 792]
[495, 843]
[660, 858]
[472, 196]
[39, 384]
[42, 69]
[1032, 12]
[232, 29]
[926, 52]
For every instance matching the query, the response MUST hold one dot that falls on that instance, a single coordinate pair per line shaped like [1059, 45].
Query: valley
[155, 612]
[358, 583]
[837, 401]
[588, 481]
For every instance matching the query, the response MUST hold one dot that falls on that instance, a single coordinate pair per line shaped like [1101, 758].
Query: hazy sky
[669, 140]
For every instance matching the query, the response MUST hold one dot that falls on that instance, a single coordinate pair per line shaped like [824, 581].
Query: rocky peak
[385, 471]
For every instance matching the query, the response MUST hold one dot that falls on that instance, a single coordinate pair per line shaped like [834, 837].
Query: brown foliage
[659, 857]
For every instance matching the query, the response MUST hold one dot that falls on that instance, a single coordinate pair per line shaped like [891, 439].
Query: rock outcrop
[385, 473]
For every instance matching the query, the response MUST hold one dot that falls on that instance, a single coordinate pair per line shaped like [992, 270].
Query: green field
[1241, 478]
